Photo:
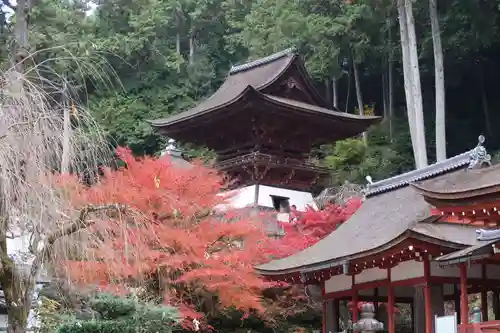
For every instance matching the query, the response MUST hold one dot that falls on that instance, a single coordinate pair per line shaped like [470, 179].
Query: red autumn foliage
[308, 227]
[169, 234]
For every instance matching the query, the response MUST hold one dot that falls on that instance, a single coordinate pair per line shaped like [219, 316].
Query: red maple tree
[310, 226]
[169, 238]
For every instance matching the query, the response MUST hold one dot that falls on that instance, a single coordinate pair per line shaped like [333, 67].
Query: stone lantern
[368, 323]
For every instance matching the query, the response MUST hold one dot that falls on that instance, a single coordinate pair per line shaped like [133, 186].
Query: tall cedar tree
[201, 262]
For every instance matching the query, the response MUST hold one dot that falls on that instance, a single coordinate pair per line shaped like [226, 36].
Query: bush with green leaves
[113, 314]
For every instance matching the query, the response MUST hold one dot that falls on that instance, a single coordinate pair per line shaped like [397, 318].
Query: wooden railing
[485, 327]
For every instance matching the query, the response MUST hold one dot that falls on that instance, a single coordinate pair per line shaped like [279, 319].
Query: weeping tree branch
[12, 276]
[81, 223]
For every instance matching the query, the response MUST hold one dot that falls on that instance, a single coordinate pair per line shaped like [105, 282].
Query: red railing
[485, 327]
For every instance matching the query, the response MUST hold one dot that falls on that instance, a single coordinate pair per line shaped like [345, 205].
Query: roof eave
[362, 121]
[334, 262]
[162, 123]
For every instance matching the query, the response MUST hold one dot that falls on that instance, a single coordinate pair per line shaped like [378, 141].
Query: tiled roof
[391, 210]
[250, 81]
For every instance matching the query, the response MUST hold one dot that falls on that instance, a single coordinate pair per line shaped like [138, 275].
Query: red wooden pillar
[464, 300]
[355, 312]
[484, 295]
[390, 305]
[427, 297]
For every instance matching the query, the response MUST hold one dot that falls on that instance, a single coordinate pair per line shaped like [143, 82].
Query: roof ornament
[368, 186]
[479, 156]
[172, 149]
[262, 61]
[487, 235]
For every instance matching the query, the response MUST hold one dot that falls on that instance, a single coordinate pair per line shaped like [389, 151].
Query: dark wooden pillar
[331, 316]
[456, 300]
[464, 299]
[437, 296]
[375, 303]
[484, 295]
[418, 309]
[355, 312]
[427, 297]
[496, 305]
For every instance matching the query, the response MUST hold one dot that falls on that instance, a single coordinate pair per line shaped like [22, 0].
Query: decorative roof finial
[369, 180]
[479, 156]
[172, 149]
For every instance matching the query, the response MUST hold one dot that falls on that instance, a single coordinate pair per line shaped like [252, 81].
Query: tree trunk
[191, 49]
[385, 94]
[20, 51]
[390, 84]
[359, 97]
[486, 112]
[328, 91]
[65, 158]
[348, 91]
[403, 29]
[13, 285]
[439, 82]
[17, 320]
[178, 42]
[416, 87]
[335, 94]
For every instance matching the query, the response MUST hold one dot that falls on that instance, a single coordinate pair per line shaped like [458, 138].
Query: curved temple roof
[392, 211]
[479, 179]
[255, 78]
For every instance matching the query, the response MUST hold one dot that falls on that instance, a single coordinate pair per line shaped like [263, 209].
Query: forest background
[128, 61]
[134, 60]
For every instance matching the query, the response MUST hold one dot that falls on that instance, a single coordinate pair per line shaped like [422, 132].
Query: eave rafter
[409, 249]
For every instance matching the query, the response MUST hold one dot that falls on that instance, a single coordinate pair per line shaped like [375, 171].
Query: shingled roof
[253, 79]
[391, 212]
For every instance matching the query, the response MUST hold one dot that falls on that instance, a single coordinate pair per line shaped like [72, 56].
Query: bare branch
[81, 223]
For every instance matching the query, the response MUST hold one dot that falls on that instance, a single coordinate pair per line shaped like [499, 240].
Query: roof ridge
[430, 171]
[262, 61]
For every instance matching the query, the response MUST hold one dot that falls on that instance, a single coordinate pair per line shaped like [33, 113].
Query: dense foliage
[112, 314]
[136, 60]
[169, 242]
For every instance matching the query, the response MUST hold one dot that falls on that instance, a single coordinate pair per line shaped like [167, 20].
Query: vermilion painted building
[414, 240]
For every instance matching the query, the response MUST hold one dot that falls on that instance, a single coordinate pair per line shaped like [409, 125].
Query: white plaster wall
[445, 271]
[244, 197]
[474, 271]
[338, 283]
[371, 274]
[407, 270]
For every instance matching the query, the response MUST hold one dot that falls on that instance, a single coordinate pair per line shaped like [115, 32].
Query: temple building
[262, 123]
[421, 238]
